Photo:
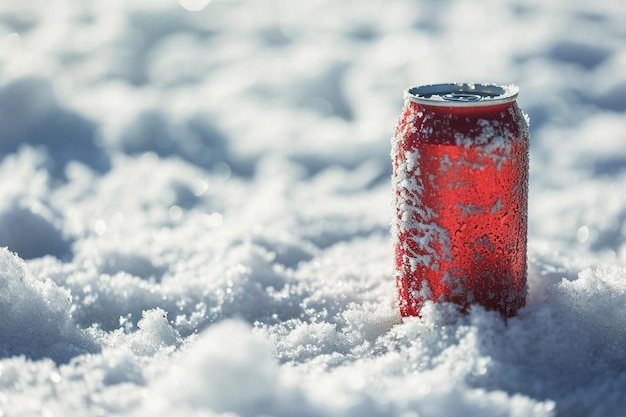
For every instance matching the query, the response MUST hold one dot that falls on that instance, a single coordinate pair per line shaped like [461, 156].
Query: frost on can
[460, 189]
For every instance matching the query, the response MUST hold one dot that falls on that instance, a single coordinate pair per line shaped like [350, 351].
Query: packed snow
[195, 207]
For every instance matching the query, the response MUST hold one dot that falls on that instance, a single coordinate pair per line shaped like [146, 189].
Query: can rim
[462, 94]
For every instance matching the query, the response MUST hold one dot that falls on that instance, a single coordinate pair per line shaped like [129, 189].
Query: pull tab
[462, 97]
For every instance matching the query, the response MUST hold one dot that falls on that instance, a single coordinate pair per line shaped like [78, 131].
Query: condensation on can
[460, 192]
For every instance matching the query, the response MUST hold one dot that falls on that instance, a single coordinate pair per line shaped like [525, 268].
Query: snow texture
[195, 204]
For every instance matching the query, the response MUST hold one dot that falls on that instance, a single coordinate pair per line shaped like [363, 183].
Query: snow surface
[196, 201]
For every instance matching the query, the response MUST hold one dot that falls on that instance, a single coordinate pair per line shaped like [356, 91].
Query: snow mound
[35, 315]
[241, 377]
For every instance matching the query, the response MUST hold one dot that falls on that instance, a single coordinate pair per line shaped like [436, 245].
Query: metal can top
[462, 94]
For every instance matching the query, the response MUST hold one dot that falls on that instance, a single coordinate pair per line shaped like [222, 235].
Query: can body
[460, 188]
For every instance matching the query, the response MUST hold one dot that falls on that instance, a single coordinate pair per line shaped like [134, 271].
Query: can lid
[462, 94]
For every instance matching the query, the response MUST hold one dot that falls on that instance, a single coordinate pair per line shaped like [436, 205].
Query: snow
[195, 202]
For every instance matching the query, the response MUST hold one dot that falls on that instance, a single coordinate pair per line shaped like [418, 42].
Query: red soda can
[460, 189]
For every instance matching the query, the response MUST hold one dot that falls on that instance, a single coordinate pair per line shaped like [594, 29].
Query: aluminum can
[460, 192]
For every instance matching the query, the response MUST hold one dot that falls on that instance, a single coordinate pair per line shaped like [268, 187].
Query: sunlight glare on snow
[100, 227]
[194, 5]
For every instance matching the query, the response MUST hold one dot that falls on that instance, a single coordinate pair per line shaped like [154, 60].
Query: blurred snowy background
[195, 198]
